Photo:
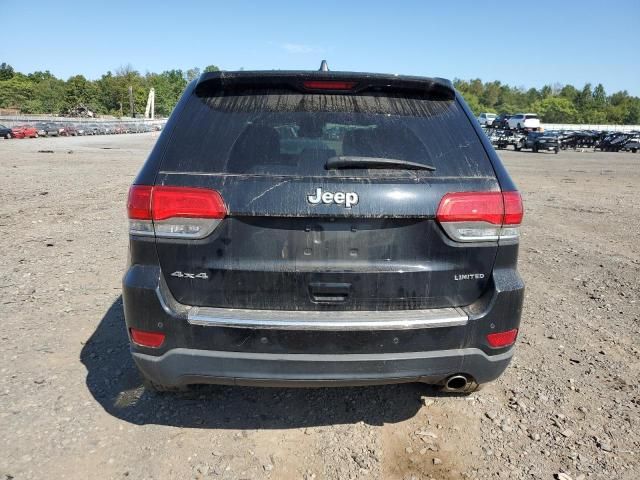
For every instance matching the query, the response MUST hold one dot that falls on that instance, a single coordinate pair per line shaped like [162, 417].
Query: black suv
[540, 141]
[322, 228]
[501, 121]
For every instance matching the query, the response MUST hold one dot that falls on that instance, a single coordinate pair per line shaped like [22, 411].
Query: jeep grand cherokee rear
[322, 228]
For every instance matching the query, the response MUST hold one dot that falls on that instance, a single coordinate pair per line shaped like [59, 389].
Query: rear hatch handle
[329, 292]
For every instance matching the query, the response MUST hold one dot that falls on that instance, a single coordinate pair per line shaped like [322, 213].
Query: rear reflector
[147, 339]
[174, 212]
[502, 339]
[481, 216]
[328, 85]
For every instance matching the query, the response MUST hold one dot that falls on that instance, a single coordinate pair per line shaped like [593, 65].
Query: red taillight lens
[169, 202]
[147, 339]
[513, 209]
[328, 85]
[480, 216]
[502, 339]
[139, 202]
[471, 207]
[174, 212]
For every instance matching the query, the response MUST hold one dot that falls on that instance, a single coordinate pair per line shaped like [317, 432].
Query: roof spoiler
[320, 82]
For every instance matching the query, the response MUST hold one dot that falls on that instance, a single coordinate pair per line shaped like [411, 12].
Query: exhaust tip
[459, 383]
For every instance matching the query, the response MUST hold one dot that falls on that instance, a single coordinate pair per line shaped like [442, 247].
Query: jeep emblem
[348, 199]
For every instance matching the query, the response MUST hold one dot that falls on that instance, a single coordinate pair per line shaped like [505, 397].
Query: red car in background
[69, 131]
[24, 131]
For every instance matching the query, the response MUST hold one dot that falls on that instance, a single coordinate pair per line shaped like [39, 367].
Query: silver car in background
[487, 118]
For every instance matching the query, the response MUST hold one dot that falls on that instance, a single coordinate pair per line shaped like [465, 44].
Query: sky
[523, 44]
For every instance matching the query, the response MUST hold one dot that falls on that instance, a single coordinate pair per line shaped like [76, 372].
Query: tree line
[44, 93]
[554, 103]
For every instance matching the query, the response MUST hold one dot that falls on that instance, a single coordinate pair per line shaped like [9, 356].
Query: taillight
[139, 210]
[502, 339]
[174, 212]
[147, 339]
[481, 216]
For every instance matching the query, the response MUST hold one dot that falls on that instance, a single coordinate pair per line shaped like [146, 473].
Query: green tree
[6, 71]
[599, 96]
[15, 91]
[555, 110]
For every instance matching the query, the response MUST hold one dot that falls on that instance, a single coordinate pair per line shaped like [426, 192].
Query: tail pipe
[460, 383]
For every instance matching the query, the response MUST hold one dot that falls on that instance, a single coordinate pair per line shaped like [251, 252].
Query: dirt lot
[71, 403]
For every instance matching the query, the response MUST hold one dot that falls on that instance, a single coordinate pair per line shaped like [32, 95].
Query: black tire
[535, 149]
[634, 150]
[556, 150]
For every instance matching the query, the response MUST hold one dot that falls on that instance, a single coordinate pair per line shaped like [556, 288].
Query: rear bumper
[346, 348]
[183, 366]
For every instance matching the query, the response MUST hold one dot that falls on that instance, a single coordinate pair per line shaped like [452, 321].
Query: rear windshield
[530, 116]
[289, 133]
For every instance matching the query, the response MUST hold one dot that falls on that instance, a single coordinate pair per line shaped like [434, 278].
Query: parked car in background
[24, 131]
[520, 121]
[58, 127]
[633, 143]
[5, 132]
[69, 130]
[81, 129]
[41, 127]
[501, 121]
[52, 130]
[487, 118]
[102, 129]
[540, 141]
[501, 138]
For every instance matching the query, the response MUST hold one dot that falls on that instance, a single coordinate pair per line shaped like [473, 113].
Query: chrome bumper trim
[326, 320]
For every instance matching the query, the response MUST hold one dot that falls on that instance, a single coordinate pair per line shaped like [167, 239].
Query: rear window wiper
[347, 161]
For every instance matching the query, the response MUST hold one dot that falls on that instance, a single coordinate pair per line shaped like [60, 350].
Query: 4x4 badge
[180, 274]
[348, 199]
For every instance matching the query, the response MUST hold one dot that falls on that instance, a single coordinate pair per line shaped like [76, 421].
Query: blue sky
[519, 43]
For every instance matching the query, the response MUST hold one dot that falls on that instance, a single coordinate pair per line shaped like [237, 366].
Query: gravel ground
[71, 403]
